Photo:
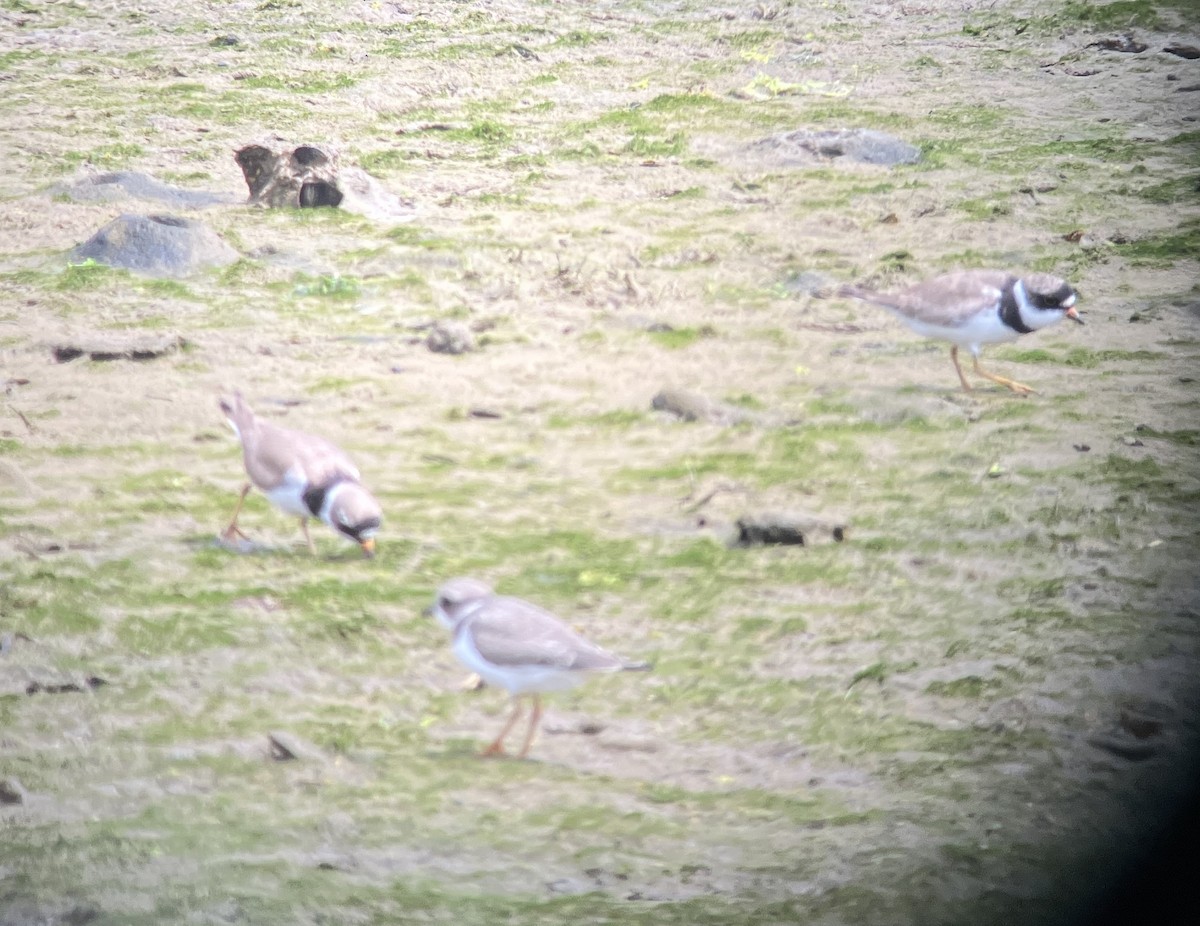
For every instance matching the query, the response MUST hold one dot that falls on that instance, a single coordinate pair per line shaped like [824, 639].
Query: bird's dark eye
[444, 603]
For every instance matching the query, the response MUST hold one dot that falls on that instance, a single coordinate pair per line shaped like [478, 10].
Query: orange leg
[497, 745]
[1018, 388]
[307, 539]
[534, 719]
[957, 369]
[232, 530]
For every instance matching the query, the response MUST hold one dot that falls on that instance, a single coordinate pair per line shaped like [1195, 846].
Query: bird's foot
[473, 682]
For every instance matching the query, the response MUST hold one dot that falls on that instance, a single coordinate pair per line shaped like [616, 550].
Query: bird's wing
[948, 300]
[273, 452]
[952, 299]
[512, 632]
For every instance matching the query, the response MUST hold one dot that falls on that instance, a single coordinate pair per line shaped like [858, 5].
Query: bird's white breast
[289, 494]
[515, 679]
[981, 328]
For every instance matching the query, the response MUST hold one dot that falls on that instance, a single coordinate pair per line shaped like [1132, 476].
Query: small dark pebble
[1082, 448]
[225, 41]
[1132, 442]
[484, 413]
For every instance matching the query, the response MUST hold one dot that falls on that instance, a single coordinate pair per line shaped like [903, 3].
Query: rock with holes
[156, 245]
[281, 175]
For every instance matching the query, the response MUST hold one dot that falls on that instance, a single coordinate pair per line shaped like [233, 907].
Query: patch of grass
[580, 38]
[87, 276]
[678, 338]
[1081, 357]
[327, 287]
[417, 236]
[487, 131]
[115, 155]
[1165, 249]
[1179, 190]
[985, 209]
[650, 146]
[300, 82]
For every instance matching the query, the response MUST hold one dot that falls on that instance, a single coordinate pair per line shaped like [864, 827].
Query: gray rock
[127, 184]
[861, 146]
[691, 406]
[156, 245]
[450, 338]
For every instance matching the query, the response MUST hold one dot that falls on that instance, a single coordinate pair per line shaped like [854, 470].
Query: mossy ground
[893, 729]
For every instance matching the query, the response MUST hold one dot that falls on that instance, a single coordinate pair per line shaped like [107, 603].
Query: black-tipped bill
[1073, 314]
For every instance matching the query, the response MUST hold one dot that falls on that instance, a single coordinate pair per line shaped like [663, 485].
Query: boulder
[156, 245]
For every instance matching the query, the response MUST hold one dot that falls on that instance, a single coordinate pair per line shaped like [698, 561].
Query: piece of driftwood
[280, 175]
[787, 528]
[106, 350]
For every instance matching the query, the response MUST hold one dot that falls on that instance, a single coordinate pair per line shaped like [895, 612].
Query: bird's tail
[850, 291]
[238, 412]
[636, 666]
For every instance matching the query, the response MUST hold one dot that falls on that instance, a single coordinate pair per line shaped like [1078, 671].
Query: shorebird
[516, 645]
[303, 475]
[971, 308]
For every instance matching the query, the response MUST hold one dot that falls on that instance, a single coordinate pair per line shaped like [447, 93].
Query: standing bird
[516, 645]
[303, 475]
[971, 308]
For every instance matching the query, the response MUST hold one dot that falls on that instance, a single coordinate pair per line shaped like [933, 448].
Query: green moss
[1165, 249]
[293, 82]
[327, 287]
[87, 276]
[678, 338]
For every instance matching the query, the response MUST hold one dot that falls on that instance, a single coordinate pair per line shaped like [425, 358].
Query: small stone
[11, 791]
[448, 337]
[691, 406]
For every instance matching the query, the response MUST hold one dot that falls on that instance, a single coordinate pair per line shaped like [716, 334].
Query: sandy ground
[971, 710]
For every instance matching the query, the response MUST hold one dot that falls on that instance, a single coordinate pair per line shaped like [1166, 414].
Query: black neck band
[314, 498]
[1010, 310]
